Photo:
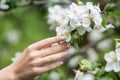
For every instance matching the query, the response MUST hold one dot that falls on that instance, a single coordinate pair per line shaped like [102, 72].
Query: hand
[34, 59]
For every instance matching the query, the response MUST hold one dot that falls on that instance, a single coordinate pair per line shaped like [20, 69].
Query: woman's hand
[34, 59]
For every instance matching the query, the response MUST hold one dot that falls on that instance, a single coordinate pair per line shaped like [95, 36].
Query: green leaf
[100, 73]
[104, 21]
[95, 64]
[109, 6]
[44, 76]
[12, 3]
[76, 45]
[86, 65]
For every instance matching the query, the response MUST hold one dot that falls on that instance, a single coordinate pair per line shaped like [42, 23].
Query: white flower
[109, 26]
[95, 36]
[73, 62]
[12, 36]
[88, 76]
[95, 14]
[81, 30]
[75, 18]
[105, 44]
[79, 18]
[92, 55]
[113, 61]
[57, 16]
[3, 5]
[103, 29]
[64, 31]
[78, 75]
[17, 55]
[54, 76]
[81, 76]
[72, 50]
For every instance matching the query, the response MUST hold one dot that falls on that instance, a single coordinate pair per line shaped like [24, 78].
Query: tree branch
[86, 47]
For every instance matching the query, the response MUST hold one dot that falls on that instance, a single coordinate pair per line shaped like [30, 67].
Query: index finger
[46, 42]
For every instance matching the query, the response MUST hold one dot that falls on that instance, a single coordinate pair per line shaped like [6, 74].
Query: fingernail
[66, 53]
[62, 37]
[61, 62]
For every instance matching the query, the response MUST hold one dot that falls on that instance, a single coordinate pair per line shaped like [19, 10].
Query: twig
[42, 3]
[86, 47]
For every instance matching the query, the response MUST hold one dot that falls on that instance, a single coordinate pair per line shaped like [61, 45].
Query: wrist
[8, 74]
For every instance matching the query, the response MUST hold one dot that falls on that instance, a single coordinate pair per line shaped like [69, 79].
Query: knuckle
[35, 71]
[31, 56]
[51, 50]
[55, 66]
[28, 52]
[63, 46]
[51, 67]
[28, 49]
[64, 54]
[32, 64]
[52, 58]
[61, 55]
[47, 60]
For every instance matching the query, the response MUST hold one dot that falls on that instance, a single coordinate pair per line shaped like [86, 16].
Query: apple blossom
[81, 76]
[54, 76]
[77, 18]
[113, 61]
[57, 16]
[3, 5]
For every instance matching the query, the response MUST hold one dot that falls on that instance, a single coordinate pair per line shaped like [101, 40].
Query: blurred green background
[22, 26]
[19, 28]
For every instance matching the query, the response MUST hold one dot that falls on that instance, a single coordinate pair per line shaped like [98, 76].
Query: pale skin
[34, 58]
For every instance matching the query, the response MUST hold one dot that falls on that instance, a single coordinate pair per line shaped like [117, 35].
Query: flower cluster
[3, 4]
[113, 60]
[77, 19]
[81, 76]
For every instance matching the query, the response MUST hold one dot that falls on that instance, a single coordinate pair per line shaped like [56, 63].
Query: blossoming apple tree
[90, 28]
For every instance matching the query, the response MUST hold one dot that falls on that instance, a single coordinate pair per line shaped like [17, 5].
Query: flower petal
[79, 75]
[96, 17]
[86, 22]
[110, 56]
[88, 76]
[81, 30]
[117, 66]
[118, 53]
[68, 38]
[72, 23]
[109, 67]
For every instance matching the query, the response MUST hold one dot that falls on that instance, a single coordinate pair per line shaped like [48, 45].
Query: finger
[52, 66]
[40, 70]
[46, 42]
[45, 47]
[49, 59]
[51, 50]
